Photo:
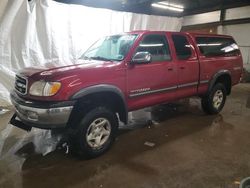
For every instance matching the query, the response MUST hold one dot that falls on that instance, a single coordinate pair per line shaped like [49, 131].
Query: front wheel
[95, 133]
[215, 100]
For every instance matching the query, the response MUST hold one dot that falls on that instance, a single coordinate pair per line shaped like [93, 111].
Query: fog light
[33, 116]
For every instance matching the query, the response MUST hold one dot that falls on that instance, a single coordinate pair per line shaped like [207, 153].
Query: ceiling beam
[215, 24]
[144, 6]
[222, 5]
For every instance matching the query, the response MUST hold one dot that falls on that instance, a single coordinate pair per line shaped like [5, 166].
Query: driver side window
[157, 46]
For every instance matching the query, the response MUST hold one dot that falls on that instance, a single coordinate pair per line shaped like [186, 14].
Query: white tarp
[44, 31]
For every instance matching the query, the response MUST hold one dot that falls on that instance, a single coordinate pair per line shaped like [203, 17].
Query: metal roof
[144, 6]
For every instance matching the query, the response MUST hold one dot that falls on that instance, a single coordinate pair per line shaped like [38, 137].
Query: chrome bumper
[42, 115]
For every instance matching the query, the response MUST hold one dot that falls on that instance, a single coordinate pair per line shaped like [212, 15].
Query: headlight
[41, 88]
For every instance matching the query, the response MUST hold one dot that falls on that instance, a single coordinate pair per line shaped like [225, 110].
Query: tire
[95, 133]
[214, 102]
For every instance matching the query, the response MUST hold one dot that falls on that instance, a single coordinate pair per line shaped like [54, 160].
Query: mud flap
[16, 122]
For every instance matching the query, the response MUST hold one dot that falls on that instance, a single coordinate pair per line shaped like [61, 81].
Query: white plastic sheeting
[44, 31]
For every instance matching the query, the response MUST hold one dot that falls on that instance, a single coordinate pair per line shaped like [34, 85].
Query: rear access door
[187, 64]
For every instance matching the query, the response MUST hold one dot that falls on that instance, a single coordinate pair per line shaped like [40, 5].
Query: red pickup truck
[122, 73]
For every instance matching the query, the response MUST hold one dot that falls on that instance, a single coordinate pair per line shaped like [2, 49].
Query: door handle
[170, 69]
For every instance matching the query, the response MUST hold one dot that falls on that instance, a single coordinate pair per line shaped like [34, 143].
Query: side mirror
[141, 57]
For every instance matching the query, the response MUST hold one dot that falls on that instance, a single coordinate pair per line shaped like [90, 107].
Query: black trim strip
[168, 88]
[204, 81]
[188, 84]
[153, 91]
[39, 104]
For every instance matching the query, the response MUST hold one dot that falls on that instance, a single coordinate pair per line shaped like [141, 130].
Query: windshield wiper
[85, 57]
[100, 58]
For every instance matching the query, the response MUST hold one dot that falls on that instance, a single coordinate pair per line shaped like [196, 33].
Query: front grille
[21, 85]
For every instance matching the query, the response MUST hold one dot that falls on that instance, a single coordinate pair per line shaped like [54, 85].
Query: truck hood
[53, 70]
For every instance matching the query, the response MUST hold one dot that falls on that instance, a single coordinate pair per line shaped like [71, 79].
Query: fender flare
[104, 88]
[216, 76]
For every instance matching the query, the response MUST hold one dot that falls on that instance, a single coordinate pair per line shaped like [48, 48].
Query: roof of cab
[208, 35]
[176, 32]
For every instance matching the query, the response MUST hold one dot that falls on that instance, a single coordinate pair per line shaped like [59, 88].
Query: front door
[154, 82]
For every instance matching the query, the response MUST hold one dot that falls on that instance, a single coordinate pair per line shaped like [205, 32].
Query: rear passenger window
[182, 46]
[157, 46]
[216, 46]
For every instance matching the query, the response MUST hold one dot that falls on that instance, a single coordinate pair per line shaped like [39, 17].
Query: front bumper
[45, 115]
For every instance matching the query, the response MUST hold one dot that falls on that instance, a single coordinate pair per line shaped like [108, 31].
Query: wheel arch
[224, 77]
[102, 94]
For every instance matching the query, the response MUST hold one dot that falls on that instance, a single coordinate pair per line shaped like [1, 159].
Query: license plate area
[18, 123]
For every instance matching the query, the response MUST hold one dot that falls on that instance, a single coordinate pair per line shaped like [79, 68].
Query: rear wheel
[95, 133]
[215, 100]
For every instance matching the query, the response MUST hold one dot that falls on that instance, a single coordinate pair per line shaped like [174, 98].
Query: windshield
[114, 48]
